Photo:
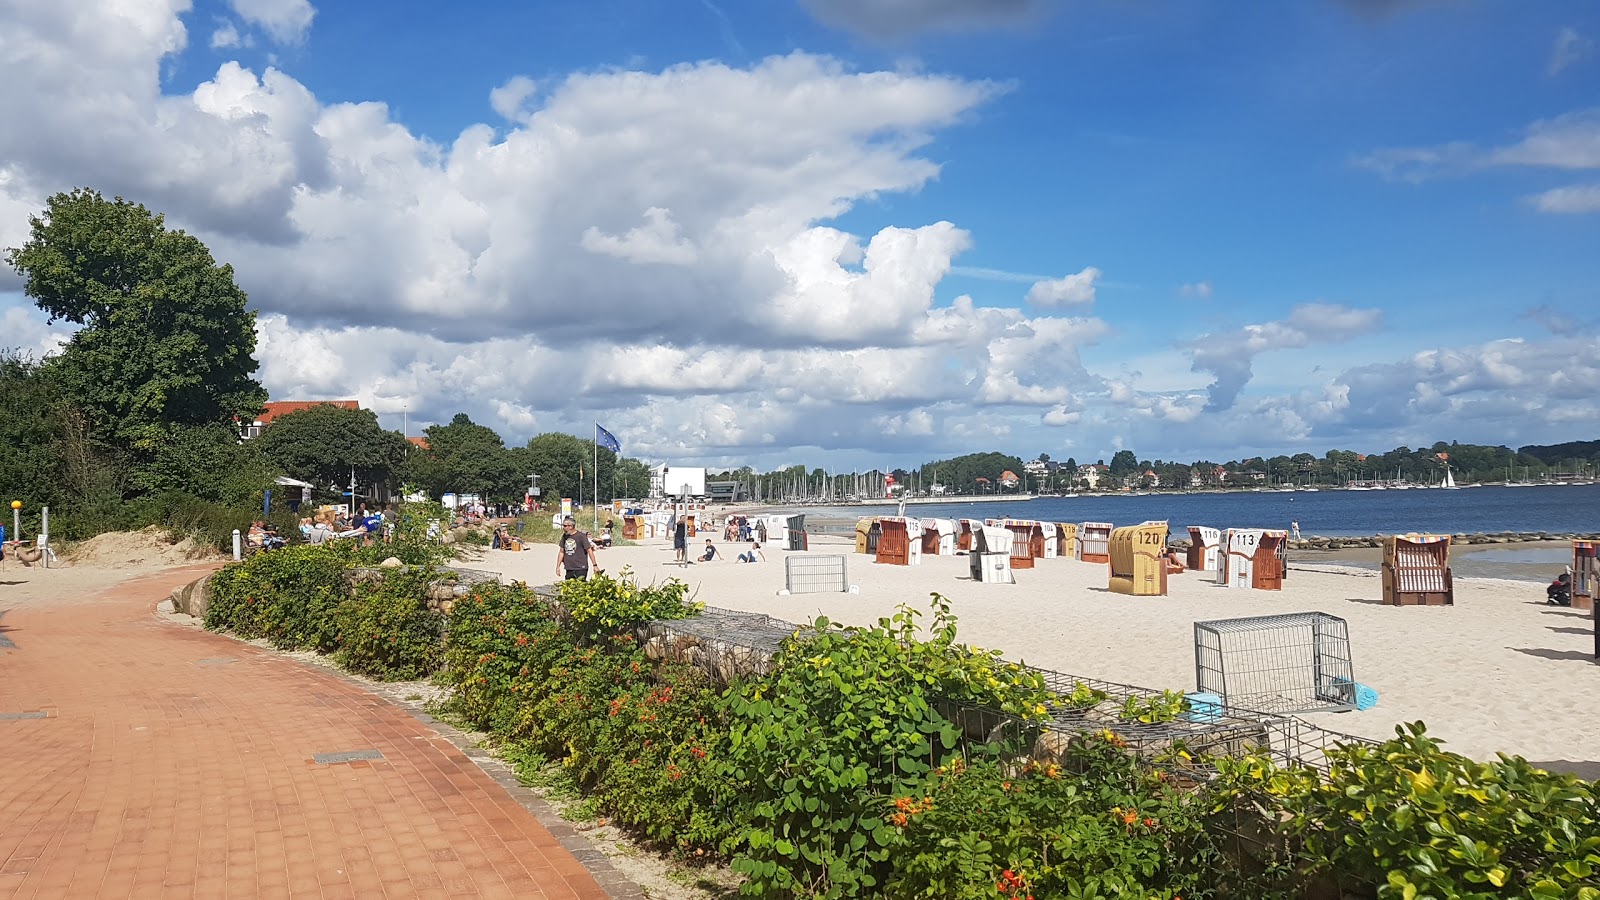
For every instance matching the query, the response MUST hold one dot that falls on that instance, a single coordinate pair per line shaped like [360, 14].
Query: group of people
[369, 526]
[754, 554]
[738, 528]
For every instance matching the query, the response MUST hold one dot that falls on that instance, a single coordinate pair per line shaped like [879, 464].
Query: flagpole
[597, 476]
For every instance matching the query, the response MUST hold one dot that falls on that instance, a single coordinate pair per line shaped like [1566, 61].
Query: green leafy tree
[466, 458]
[1124, 463]
[30, 464]
[166, 339]
[208, 462]
[323, 443]
[558, 458]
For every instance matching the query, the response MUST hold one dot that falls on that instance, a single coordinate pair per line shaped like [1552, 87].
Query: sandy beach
[1498, 671]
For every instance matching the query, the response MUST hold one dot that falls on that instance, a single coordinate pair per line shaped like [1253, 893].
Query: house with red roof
[273, 409]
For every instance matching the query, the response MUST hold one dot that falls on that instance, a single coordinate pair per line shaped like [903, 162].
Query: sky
[862, 233]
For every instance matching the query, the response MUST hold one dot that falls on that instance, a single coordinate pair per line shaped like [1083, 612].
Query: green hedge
[848, 770]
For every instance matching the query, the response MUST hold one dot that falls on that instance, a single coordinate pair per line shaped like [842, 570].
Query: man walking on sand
[574, 552]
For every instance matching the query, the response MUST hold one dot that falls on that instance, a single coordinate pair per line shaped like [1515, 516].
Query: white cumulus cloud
[1073, 290]
[287, 21]
[1576, 198]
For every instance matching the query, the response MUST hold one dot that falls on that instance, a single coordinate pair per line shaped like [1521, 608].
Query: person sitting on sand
[1175, 561]
[710, 554]
[754, 554]
[1559, 592]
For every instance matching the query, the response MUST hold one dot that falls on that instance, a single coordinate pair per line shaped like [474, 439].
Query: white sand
[1498, 671]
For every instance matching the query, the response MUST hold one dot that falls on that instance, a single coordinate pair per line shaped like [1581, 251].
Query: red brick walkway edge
[142, 758]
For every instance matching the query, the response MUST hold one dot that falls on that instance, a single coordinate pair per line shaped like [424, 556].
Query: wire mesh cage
[729, 645]
[1294, 662]
[726, 643]
[816, 574]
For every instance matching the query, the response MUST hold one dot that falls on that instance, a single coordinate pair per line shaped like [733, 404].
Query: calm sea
[1551, 508]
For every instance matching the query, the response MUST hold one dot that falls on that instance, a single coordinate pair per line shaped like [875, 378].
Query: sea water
[1561, 509]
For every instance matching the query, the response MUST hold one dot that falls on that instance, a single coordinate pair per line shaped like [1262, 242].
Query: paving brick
[170, 762]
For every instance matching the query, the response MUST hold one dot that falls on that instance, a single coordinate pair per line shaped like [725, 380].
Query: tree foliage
[557, 459]
[960, 475]
[323, 443]
[165, 341]
[465, 458]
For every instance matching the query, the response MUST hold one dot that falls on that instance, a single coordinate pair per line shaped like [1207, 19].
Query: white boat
[1449, 482]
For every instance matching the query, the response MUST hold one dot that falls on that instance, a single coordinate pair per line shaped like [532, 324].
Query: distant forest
[977, 473]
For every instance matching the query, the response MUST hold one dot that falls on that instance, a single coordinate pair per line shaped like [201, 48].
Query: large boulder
[193, 598]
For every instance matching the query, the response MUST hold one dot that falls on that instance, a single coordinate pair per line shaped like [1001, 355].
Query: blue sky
[870, 232]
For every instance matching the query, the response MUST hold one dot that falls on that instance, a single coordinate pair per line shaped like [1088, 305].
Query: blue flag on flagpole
[606, 439]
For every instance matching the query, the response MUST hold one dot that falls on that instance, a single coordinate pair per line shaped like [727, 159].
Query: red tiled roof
[273, 410]
[419, 441]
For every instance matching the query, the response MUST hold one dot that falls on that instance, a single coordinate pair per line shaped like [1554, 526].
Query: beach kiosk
[1416, 570]
[989, 560]
[939, 537]
[1138, 566]
[1027, 542]
[796, 529]
[1066, 540]
[1585, 573]
[1093, 538]
[1254, 558]
[1205, 548]
[899, 541]
[867, 535]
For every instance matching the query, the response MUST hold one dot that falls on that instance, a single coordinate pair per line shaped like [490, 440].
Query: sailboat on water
[1449, 482]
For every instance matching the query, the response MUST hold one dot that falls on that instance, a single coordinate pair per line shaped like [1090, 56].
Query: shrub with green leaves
[603, 605]
[847, 718]
[1102, 826]
[287, 596]
[498, 639]
[643, 740]
[385, 629]
[1419, 822]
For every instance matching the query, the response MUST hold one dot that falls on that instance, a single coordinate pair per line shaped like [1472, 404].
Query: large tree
[558, 458]
[165, 337]
[466, 458]
[323, 443]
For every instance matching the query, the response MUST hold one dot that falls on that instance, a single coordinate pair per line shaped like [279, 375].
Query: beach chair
[1137, 560]
[1254, 558]
[1416, 570]
[989, 560]
[867, 535]
[1585, 573]
[938, 537]
[795, 527]
[1205, 549]
[965, 528]
[899, 541]
[1067, 540]
[1093, 540]
[1052, 540]
[1027, 542]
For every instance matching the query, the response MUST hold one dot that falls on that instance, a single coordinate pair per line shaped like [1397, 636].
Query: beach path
[142, 758]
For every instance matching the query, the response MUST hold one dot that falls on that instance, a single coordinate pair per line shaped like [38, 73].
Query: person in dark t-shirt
[574, 552]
